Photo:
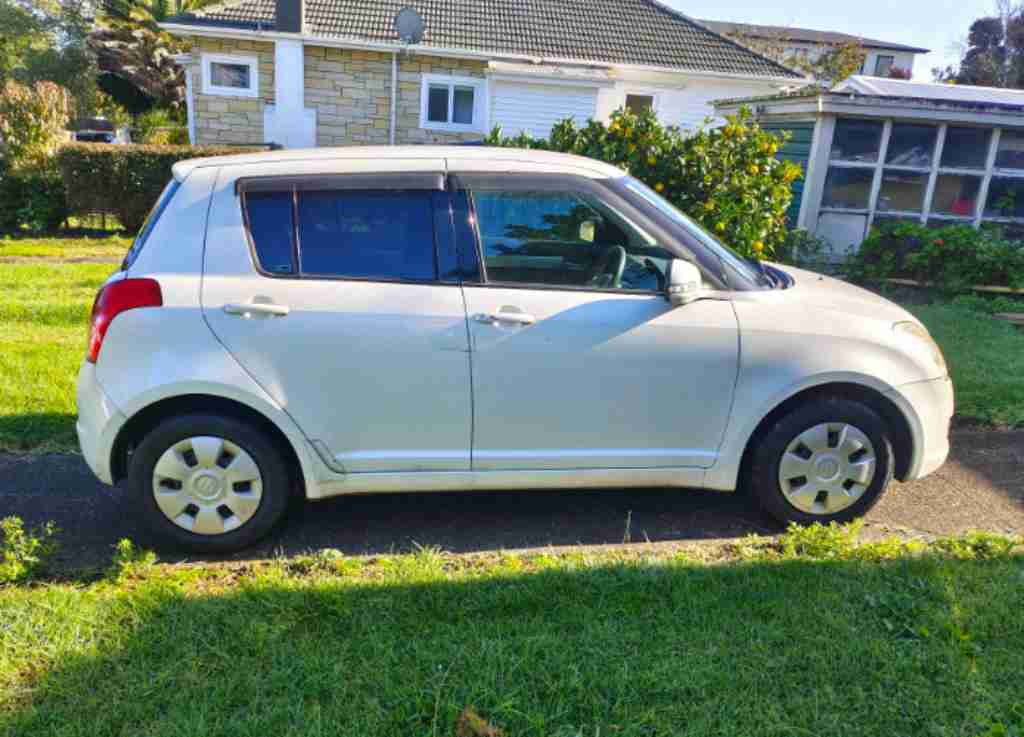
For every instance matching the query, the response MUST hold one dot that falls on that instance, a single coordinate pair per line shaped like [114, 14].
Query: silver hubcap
[827, 468]
[207, 485]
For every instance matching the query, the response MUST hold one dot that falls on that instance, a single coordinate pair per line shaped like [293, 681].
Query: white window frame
[209, 88]
[481, 103]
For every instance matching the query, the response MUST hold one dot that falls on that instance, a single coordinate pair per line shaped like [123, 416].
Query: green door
[797, 150]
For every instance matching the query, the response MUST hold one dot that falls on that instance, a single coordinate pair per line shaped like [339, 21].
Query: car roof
[476, 156]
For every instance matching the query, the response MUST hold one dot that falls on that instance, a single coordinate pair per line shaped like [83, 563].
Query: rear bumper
[98, 423]
[929, 407]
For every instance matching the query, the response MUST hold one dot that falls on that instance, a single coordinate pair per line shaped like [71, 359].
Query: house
[334, 72]
[885, 149]
[882, 58]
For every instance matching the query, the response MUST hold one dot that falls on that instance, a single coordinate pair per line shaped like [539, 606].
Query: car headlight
[916, 333]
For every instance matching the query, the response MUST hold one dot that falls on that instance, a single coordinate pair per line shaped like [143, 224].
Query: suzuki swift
[361, 320]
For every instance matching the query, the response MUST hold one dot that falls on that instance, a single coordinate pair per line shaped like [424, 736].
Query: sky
[937, 24]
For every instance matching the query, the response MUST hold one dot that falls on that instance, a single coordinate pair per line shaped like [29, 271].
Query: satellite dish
[409, 26]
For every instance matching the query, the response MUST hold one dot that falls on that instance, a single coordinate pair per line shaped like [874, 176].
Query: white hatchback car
[343, 321]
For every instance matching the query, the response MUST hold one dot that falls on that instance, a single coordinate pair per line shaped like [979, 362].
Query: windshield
[736, 270]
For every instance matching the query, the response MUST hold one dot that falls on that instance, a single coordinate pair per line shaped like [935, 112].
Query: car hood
[818, 291]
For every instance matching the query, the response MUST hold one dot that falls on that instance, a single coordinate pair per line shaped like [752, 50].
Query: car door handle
[508, 318]
[257, 309]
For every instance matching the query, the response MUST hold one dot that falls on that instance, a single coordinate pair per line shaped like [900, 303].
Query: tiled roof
[642, 32]
[804, 35]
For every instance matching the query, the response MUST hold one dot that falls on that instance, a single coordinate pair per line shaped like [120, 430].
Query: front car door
[327, 289]
[578, 359]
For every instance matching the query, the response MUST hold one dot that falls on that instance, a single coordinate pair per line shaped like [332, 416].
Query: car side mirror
[685, 283]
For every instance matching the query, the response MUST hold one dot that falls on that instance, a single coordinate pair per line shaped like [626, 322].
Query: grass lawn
[620, 643]
[113, 247]
[986, 361]
[44, 313]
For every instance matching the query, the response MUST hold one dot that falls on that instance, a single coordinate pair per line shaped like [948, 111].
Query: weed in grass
[977, 545]
[130, 561]
[25, 554]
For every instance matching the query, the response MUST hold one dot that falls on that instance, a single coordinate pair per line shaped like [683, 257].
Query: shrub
[988, 305]
[34, 199]
[728, 179]
[953, 258]
[123, 180]
[33, 121]
[24, 554]
[159, 127]
[804, 250]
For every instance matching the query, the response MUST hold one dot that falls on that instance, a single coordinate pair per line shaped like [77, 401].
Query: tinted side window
[367, 234]
[273, 234]
[566, 239]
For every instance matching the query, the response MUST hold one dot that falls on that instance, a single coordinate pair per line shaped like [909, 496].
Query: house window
[884, 65]
[231, 76]
[457, 104]
[638, 104]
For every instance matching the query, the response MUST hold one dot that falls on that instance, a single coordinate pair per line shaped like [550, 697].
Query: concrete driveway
[981, 487]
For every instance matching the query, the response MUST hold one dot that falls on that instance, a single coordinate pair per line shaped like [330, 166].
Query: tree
[833, 65]
[993, 55]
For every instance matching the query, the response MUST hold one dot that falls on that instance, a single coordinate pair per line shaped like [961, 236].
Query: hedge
[34, 199]
[952, 258]
[124, 180]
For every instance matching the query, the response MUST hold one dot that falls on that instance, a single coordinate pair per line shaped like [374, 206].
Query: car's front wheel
[828, 460]
[209, 484]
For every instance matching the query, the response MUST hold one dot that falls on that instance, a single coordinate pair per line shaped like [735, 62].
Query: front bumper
[929, 407]
[98, 423]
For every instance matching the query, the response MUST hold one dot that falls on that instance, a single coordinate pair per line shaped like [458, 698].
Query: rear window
[359, 234]
[151, 220]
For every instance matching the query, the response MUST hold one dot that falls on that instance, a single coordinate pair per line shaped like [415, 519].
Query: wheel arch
[147, 418]
[903, 438]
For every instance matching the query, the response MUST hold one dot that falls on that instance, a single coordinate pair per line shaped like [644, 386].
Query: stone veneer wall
[351, 92]
[221, 119]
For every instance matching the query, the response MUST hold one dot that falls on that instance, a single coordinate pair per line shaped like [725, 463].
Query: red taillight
[112, 300]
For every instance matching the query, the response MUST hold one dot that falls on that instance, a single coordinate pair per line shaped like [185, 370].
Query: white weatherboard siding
[535, 107]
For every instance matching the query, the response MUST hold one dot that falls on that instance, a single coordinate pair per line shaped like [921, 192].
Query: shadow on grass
[38, 431]
[923, 647]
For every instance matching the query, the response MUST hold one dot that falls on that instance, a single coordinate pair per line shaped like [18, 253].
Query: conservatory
[879, 149]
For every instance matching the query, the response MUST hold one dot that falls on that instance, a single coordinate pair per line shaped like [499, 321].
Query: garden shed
[885, 149]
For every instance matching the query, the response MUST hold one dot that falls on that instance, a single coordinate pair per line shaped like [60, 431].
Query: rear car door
[326, 288]
[579, 360]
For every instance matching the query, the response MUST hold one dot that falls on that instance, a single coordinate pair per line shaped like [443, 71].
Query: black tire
[274, 468]
[763, 478]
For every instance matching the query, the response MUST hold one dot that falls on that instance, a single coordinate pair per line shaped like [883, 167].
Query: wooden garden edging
[976, 288]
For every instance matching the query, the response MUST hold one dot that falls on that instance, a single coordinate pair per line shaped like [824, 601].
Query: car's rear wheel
[209, 484]
[828, 460]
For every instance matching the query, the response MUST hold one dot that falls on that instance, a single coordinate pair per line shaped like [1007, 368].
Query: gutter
[183, 29]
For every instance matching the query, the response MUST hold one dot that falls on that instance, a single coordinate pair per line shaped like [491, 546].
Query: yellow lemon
[659, 187]
[651, 161]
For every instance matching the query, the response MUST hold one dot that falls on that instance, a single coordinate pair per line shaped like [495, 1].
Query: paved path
[981, 487]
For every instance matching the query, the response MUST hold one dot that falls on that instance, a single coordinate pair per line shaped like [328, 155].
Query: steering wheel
[601, 272]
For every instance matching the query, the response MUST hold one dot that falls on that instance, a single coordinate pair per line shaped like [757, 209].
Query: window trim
[481, 103]
[655, 96]
[289, 186]
[878, 62]
[209, 88]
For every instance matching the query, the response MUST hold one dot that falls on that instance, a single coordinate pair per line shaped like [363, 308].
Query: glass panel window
[848, 189]
[637, 104]
[437, 104]
[1011, 150]
[883, 65]
[230, 75]
[270, 226]
[966, 148]
[1005, 198]
[912, 145]
[462, 112]
[902, 191]
[367, 234]
[956, 195]
[564, 239]
[856, 140]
